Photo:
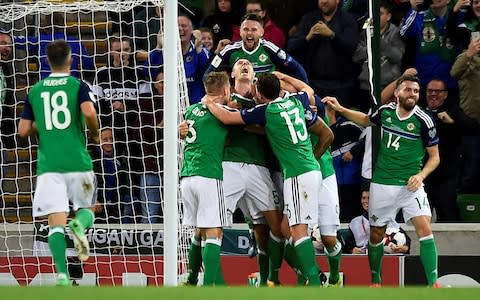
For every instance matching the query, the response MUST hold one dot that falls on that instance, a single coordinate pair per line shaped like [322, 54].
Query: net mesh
[127, 238]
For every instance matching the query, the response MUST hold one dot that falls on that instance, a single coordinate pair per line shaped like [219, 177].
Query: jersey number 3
[296, 135]
[53, 106]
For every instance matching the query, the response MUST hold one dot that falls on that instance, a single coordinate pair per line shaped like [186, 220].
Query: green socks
[334, 257]
[85, 217]
[211, 261]
[291, 258]
[275, 254]
[194, 260]
[375, 255]
[429, 258]
[308, 260]
[58, 246]
[263, 264]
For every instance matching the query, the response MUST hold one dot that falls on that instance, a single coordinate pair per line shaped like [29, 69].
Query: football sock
[429, 258]
[307, 258]
[334, 256]
[263, 264]
[194, 260]
[291, 258]
[375, 255]
[85, 217]
[58, 247]
[211, 260]
[275, 254]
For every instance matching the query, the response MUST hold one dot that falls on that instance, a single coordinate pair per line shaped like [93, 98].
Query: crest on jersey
[282, 55]
[410, 126]
[428, 34]
[262, 57]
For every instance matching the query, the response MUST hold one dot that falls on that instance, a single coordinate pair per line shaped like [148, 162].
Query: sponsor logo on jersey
[197, 112]
[389, 120]
[410, 126]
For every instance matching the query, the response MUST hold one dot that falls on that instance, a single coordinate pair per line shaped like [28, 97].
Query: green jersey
[243, 146]
[54, 105]
[403, 143]
[326, 160]
[286, 120]
[203, 151]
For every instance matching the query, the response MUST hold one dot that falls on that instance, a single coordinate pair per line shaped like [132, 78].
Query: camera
[424, 5]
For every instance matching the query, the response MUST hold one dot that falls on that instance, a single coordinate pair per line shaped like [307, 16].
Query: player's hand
[411, 72]
[445, 117]
[399, 249]
[473, 48]
[347, 156]
[332, 103]
[320, 28]
[96, 139]
[221, 44]
[461, 4]
[183, 129]
[415, 3]
[414, 182]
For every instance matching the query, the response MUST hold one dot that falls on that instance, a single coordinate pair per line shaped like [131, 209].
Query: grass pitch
[234, 293]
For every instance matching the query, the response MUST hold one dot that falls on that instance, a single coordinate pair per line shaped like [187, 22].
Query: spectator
[326, 40]
[223, 20]
[149, 137]
[264, 55]
[461, 33]
[452, 124]
[52, 27]
[347, 151]
[7, 102]
[435, 52]
[392, 48]
[466, 70]
[109, 184]
[271, 32]
[208, 40]
[118, 87]
[195, 59]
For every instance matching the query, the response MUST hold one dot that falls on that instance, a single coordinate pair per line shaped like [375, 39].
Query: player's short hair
[58, 53]
[216, 82]
[253, 17]
[387, 5]
[407, 77]
[268, 85]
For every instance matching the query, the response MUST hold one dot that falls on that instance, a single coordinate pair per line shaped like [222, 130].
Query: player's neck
[403, 113]
[65, 70]
[243, 87]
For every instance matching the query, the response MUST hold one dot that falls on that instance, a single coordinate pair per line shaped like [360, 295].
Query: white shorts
[387, 200]
[301, 198]
[203, 202]
[250, 188]
[54, 191]
[328, 203]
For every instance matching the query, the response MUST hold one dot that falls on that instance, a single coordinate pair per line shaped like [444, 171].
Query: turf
[234, 293]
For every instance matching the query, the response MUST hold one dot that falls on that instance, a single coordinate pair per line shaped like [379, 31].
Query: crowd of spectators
[326, 47]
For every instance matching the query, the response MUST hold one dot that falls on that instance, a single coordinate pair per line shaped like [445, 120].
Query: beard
[407, 103]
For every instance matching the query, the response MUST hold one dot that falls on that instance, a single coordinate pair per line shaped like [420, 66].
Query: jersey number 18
[53, 106]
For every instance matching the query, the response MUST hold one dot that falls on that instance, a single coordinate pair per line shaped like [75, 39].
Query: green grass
[234, 293]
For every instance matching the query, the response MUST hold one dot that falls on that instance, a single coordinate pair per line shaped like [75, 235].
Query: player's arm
[325, 135]
[87, 106]
[26, 126]
[225, 116]
[356, 116]
[415, 181]
[297, 84]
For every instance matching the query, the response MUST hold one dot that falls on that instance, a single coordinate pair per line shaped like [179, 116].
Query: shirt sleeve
[310, 115]
[255, 115]
[429, 132]
[85, 94]
[375, 117]
[27, 112]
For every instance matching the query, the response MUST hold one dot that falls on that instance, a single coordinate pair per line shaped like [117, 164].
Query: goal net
[110, 41]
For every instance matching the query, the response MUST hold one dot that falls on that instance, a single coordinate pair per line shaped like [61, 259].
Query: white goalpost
[131, 243]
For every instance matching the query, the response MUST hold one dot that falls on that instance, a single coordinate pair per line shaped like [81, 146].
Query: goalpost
[137, 253]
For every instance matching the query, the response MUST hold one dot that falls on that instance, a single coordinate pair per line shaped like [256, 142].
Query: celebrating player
[57, 108]
[397, 181]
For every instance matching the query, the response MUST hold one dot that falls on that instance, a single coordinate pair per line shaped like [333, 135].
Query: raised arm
[223, 115]
[356, 116]
[297, 84]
